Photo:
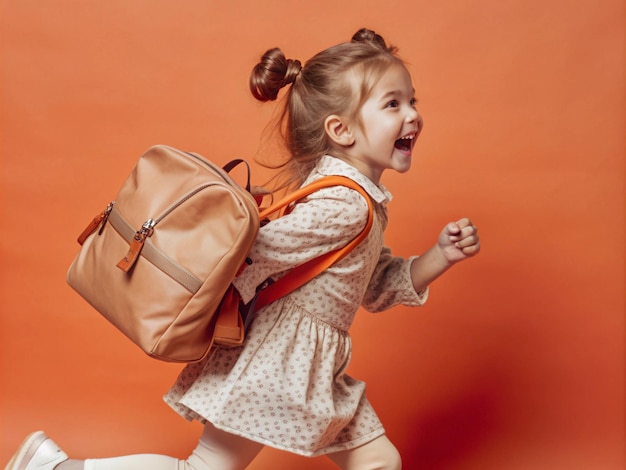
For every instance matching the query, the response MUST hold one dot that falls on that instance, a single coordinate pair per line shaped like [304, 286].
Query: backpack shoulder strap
[300, 275]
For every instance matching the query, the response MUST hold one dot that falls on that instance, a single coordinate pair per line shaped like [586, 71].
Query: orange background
[517, 362]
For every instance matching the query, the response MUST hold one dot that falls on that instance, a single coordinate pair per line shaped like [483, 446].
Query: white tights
[218, 450]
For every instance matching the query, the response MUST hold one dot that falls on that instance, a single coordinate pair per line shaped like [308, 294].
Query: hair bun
[272, 73]
[367, 35]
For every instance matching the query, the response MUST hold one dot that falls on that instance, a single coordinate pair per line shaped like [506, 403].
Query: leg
[131, 462]
[379, 454]
[219, 450]
[216, 450]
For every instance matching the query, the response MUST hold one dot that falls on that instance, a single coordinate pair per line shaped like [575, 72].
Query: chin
[404, 166]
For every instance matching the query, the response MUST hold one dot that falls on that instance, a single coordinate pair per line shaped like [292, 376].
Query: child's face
[389, 125]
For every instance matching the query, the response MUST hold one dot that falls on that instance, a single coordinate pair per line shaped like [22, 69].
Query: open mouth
[405, 143]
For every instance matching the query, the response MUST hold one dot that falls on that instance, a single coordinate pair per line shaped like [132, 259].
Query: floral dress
[286, 386]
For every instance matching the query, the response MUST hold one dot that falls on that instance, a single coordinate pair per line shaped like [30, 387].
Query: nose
[413, 116]
[420, 124]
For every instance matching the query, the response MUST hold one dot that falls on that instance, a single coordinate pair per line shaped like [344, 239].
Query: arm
[457, 241]
[322, 222]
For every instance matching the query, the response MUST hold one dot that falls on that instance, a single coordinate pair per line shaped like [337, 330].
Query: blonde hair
[325, 85]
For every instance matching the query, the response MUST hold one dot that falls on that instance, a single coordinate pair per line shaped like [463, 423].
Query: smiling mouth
[405, 143]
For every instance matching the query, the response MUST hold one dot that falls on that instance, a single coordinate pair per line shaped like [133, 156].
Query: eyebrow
[394, 93]
[397, 92]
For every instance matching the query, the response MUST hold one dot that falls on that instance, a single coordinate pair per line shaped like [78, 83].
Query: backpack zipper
[147, 229]
[98, 221]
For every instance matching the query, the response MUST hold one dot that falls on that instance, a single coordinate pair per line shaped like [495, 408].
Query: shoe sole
[26, 451]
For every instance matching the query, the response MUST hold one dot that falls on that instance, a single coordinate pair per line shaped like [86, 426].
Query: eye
[392, 104]
[413, 102]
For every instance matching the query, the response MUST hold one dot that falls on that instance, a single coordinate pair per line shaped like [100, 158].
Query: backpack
[159, 260]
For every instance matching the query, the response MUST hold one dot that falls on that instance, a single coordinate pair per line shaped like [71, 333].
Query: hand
[459, 240]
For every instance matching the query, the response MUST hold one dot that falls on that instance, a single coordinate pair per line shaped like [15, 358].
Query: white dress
[286, 387]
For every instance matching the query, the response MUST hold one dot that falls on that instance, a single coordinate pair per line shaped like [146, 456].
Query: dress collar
[329, 165]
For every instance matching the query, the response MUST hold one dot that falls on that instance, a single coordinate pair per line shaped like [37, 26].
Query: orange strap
[229, 327]
[300, 275]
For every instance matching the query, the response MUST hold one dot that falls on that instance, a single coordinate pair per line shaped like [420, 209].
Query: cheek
[389, 131]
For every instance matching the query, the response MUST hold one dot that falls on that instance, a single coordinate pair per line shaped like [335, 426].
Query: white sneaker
[37, 452]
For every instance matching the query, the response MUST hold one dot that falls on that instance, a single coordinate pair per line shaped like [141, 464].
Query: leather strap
[300, 275]
[230, 327]
[154, 255]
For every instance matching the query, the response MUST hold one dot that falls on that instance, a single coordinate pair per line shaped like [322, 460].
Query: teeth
[405, 143]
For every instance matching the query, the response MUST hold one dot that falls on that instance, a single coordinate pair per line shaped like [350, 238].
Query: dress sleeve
[324, 221]
[391, 284]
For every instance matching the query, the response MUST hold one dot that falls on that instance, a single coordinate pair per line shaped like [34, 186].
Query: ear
[337, 129]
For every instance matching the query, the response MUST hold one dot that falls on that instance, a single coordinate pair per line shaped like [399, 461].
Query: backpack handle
[232, 164]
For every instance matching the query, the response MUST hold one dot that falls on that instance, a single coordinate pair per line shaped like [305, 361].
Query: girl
[349, 111]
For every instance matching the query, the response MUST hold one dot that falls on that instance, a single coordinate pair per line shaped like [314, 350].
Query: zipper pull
[107, 213]
[98, 221]
[136, 244]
